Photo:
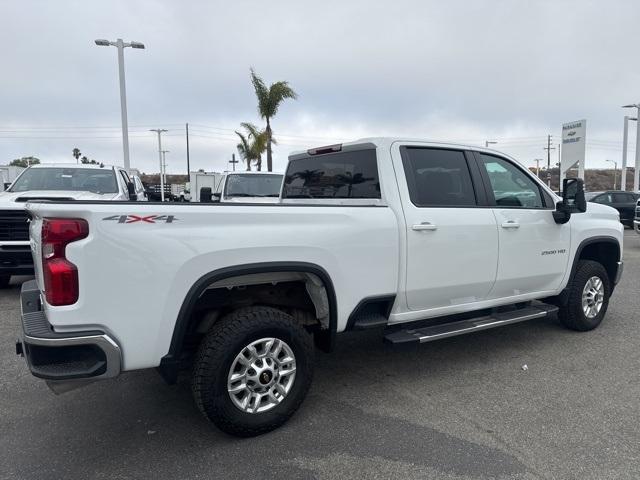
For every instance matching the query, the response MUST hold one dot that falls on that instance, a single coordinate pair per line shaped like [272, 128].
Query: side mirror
[573, 195]
[131, 190]
[216, 197]
[573, 200]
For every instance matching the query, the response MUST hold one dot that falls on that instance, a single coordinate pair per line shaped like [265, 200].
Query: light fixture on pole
[489, 142]
[625, 137]
[637, 164]
[615, 172]
[159, 131]
[120, 45]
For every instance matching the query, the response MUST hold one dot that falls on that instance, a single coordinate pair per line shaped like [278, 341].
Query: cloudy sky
[470, 71]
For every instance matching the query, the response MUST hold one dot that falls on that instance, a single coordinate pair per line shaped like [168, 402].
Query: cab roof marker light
[328, 149]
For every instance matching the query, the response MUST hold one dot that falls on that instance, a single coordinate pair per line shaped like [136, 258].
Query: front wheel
[589, 293]
[253, 370]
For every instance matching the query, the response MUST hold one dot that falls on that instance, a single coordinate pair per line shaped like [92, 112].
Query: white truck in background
[8, 173]
[422, 240]
[50, 181]
[250, 187]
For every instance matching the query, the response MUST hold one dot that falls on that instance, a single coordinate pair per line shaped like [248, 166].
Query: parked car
[53, 182]
[624, 202]
[636, 221]
[422, 240]
[250, 187]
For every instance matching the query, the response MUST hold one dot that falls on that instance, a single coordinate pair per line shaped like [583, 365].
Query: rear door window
[623, 198]
[438, 177]
[352, 174]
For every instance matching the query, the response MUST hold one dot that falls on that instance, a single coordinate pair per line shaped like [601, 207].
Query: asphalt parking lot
[455, 409]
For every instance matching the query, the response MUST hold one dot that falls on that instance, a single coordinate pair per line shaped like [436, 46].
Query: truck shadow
[137, 426]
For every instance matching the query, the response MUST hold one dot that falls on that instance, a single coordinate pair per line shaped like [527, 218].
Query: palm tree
[76, 153]
[269, 99]
[349, 179]
[252, 144]
[244, 150]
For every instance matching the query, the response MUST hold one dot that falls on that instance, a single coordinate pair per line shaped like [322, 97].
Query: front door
[534, 249]
[451, 237]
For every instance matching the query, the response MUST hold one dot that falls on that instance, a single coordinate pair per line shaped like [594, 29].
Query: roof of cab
[73, 165]
[388, 141]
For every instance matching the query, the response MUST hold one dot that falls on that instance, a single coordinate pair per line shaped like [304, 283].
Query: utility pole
[548, 148]
[159, 131]
[489, 142]
[559, 170]
[162, 172]
[188, 168]
[233, 161]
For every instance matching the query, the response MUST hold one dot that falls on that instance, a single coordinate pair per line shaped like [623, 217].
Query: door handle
[510, 224]
[424, 226]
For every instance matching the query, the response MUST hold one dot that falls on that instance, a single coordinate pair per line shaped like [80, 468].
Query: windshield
[69, 179]
[247, 185]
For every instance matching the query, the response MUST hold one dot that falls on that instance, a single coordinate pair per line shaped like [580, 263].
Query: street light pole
[637, 166]
[615, 172]
[489, 142]
[625, 141]
[120, 45]
[159, 131]
[538, 160]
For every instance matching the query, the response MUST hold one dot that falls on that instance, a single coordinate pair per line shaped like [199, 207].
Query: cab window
[511, 187]
[438, 177]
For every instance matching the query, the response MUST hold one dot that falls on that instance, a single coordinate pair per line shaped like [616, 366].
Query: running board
[498, 319]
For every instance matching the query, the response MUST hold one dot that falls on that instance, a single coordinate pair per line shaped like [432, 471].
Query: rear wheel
[589, 293]
[4, 281]
[253, 370]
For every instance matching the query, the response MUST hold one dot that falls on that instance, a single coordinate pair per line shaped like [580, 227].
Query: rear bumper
[16, 260]
[66, 360]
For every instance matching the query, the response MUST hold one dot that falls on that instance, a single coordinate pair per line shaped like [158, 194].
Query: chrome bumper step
[444, 330]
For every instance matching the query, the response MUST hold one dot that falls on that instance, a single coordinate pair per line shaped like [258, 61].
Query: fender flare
[169, 365]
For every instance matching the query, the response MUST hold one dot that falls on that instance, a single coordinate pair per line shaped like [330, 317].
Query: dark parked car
[624, 202]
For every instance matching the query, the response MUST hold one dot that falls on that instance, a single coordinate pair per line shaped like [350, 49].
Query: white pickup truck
[422, 240]
[54, 181]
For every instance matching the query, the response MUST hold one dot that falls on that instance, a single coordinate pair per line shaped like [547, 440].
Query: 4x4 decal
[144, 219]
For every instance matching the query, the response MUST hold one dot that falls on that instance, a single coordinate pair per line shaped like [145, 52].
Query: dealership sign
[573, 147]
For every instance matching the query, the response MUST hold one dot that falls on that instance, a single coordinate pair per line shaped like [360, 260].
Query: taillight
[60, 275]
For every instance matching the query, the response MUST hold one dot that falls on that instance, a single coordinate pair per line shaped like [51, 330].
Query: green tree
[86, 161]
[76, 153]
[24, 162]
[252, 145]
[269, 100]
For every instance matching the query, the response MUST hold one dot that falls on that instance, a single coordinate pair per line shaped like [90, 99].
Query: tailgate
[35, 232]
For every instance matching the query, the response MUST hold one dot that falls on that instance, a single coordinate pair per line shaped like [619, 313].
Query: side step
[444, 330]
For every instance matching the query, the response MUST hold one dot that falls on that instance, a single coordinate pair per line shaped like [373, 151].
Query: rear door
[625, 203]
[451, 234]
[534, 249]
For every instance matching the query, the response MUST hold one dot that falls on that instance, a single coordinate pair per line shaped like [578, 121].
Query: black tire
[217, 352]
[572, 314]
[4, 281]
